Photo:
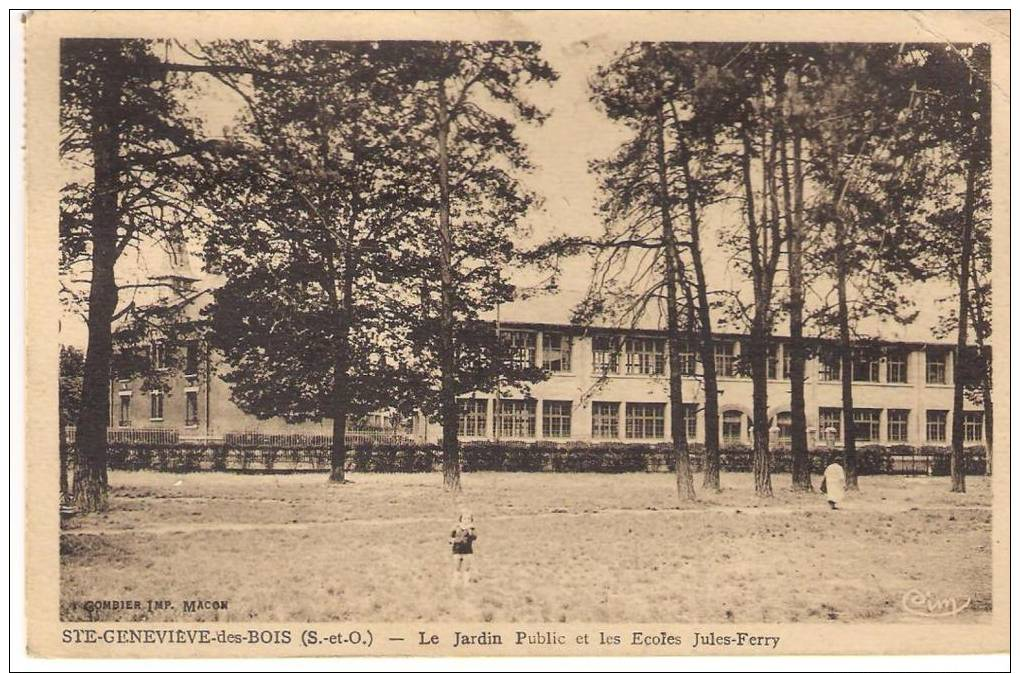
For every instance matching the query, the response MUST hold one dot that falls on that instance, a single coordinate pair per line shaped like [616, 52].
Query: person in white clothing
[834, 482]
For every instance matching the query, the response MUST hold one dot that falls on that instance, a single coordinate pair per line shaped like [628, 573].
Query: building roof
[555, 310]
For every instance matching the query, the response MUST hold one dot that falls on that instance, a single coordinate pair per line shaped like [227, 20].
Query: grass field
[551, 547]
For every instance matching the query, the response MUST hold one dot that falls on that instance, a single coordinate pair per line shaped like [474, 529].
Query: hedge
[608, 457]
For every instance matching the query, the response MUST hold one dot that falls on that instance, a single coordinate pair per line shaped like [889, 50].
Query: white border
[15, 318]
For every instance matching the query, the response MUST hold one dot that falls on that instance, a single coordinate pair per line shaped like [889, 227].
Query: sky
[575, 133]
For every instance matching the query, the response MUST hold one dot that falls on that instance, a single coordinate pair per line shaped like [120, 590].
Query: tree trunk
[794, 210]
[956, 461]
[801, 462]
[341, 398]
[63, 458]
[846, 370]
[681, 452]
[986, 404]
[447, 355]
[338, 448]
[90, 479]
[762, 467]
[761, 279]
[342, 348]
[707, 340]
[711, 385]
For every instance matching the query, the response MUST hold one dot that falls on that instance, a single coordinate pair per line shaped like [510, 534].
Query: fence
[515, 457]
[170, 437]
[149, 436]
[299, 440]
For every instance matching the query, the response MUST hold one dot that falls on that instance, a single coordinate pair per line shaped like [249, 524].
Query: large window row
[518, 418]
[868, 367]
[647, 420]
[615, 354]
[868, 424]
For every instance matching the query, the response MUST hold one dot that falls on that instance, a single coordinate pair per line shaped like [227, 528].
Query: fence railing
[299, 440]
[170, 436]
[153, 436]
[513, 457]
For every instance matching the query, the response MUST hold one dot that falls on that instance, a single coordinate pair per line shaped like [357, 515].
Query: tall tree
[639, 210]
[954, 82]
[703, 176]
[320, 222]
[788, 128]
[126, 142]
[857, 158]
[465, 90]
[973, 91]
[744, 96]
[655, 190]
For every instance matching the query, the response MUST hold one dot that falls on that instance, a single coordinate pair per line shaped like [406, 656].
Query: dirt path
[171, 529]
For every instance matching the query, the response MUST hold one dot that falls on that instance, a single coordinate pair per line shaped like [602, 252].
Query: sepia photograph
[562, 330]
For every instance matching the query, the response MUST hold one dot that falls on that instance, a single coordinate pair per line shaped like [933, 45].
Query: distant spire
[174, 265]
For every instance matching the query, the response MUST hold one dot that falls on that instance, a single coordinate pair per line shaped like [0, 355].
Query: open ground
[552, 547]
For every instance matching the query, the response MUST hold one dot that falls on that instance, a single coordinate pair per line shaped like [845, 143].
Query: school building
[607, 385]
[612, 385]
[603, 384]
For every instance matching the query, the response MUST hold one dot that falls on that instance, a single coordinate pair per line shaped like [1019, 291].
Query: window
[605, 355]
[516, 418]
[829, 368]
[690, 418]
[935, 367]
[773, 361]
[157, 355]
[732, 428]
[866, 424]
[605, 419]
[784, 424]
[520, 347]
[555, 418]
[155, 405]
[865, 367]
[687, 360]
[935, 424]
[896, 368]
[645, 356]
[646, 420]
[897, 424]
[125, 411]
[556, 352]
[473, 419]
[725, 359]
[973, 426]
[830, 419]
[191, 359]
[191, 408]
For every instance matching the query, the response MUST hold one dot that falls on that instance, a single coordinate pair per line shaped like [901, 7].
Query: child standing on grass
[834, 483]
[461, 540]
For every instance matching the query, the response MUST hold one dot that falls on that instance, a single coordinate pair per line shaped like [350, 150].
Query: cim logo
[926, 604]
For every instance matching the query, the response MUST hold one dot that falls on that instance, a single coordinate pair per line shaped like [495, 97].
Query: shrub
[517, 456]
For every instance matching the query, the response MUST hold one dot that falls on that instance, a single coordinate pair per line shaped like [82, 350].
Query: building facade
[608, 385]
[613, 385]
